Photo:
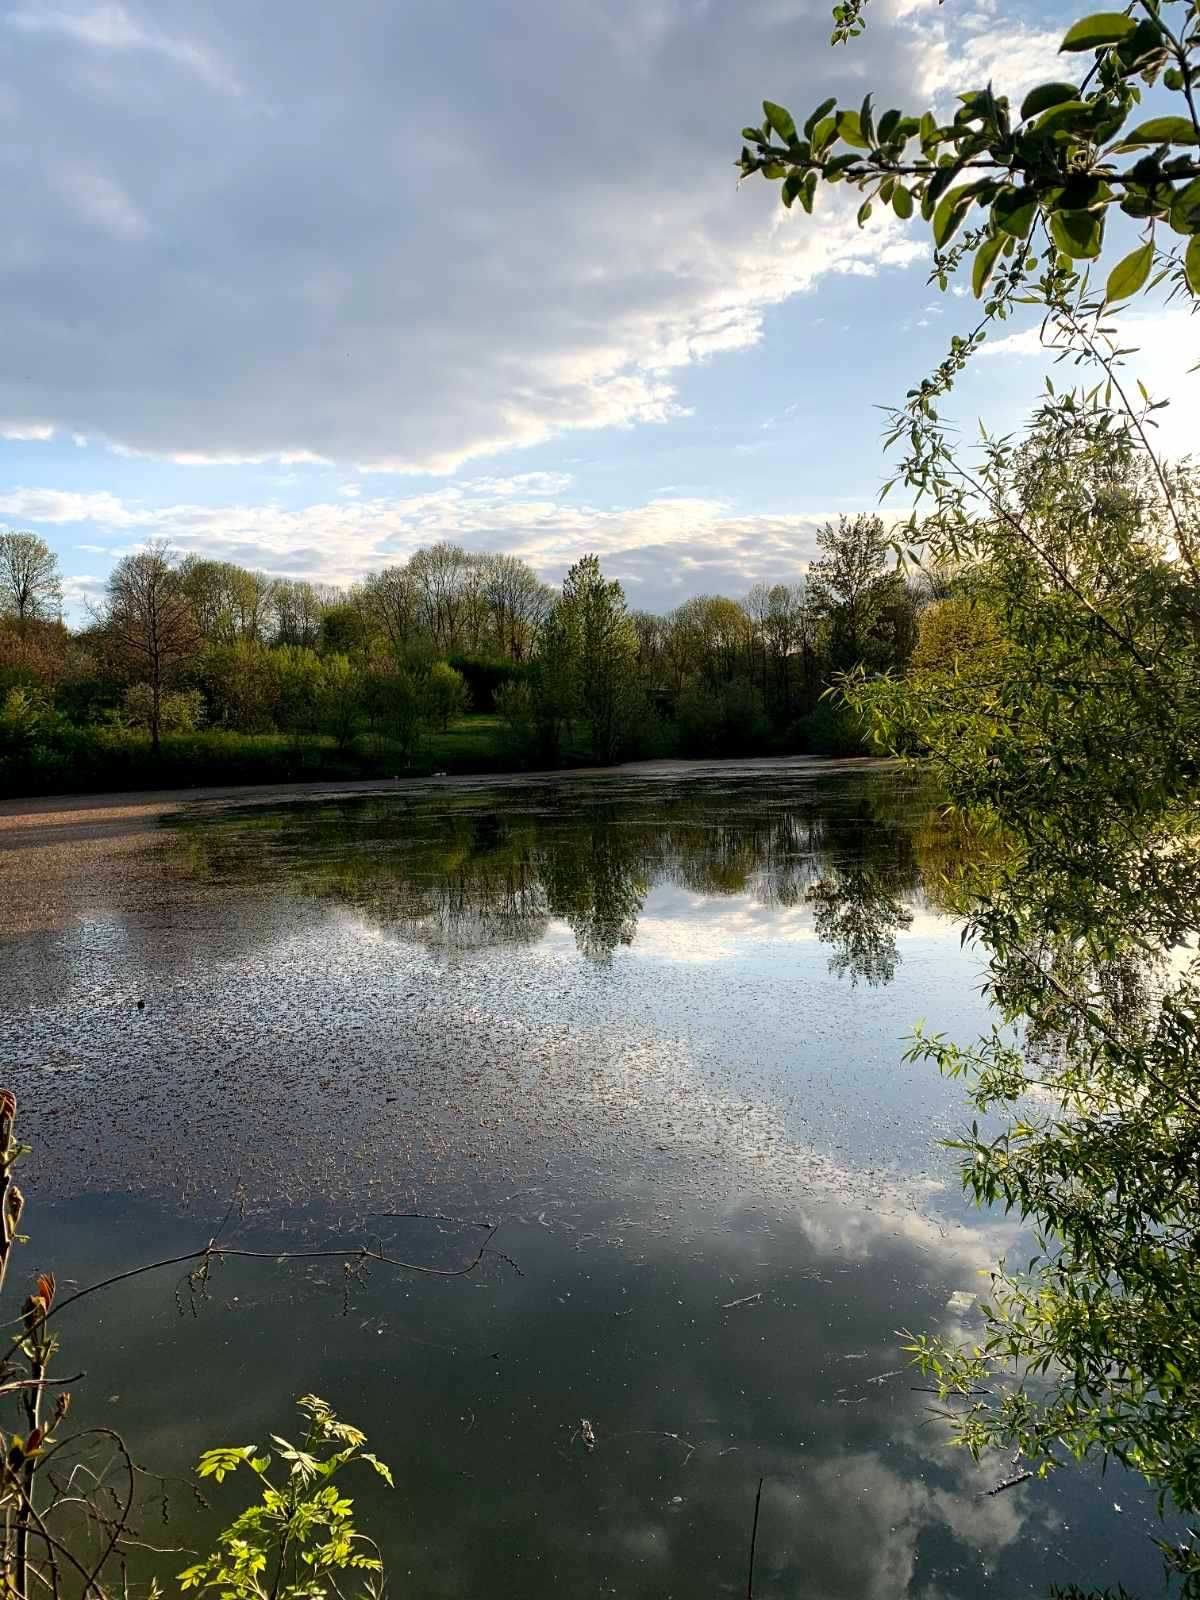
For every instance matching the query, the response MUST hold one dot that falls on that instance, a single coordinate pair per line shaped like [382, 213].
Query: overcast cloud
[279, 279]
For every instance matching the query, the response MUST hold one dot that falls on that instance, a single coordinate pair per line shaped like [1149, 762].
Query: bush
[445, 694]
[182, 711]
[727, 720]
[514, 706]
[831, 729]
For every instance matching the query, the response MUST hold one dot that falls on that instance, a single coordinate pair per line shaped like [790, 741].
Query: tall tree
[519, 603]
[30, 587]
[297, 608]
[150, 620]
[852, 581]
[605, 646]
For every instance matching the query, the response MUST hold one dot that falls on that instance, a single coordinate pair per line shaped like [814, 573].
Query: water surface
[650, 1026]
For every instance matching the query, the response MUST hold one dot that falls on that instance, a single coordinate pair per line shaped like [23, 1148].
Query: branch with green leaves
[1074, 150]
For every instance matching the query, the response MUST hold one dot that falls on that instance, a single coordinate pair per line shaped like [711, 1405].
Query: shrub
[445, 694]
[181, 711]
[831, 729]
[726, 720]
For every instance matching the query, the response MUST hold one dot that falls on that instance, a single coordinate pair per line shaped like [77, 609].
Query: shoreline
[46, 817]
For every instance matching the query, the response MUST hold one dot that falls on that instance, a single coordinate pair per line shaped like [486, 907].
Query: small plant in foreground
[300, 1534]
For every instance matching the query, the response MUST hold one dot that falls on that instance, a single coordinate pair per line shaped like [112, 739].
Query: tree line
[179, 646]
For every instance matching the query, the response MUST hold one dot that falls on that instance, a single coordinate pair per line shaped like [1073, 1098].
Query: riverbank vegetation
[197, 671]
[1055, 695]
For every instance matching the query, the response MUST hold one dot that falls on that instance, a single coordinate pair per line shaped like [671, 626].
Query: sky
[308, 287]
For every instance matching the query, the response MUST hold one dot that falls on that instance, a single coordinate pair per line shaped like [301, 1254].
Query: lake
[651, 1025]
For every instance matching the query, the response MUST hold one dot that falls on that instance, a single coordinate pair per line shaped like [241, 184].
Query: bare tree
[437, 574]
[30, 587]
[390, 598]
[297, 608]
[519, 603]
[150, 619]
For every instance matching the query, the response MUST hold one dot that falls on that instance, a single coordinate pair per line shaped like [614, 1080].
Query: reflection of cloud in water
[474, 1390]
[680, 925]
[335, 1064]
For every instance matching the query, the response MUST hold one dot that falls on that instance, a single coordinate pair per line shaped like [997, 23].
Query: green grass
[93, 760]
[474, 743]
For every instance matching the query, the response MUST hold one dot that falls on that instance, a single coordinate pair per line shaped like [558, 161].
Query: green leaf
[1078, 234]
[818, 115]
[902, 202]
[849, 128]
[809, 191]
[867, 122]
[951, 210]
[940, 181]
[1161, 130]
[1191, 264]
[1185, 209]
[1129, 275]
[823, 133]
[1014, 211]
[1103, 27]
[864, 211]
[381, 1467]
[1047, 95]
[1075, 116]
[985, 260]
[792, 185]
[780, 120]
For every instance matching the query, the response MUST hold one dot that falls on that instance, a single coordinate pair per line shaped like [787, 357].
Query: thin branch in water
[753, 1543]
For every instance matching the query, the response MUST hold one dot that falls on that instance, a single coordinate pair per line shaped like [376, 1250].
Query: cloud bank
[398, 237]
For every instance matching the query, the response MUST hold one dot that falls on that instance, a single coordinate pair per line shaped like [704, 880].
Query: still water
[649, 1024]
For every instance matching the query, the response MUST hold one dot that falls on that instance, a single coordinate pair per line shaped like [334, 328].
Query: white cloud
[970, 51]
[57, 506]
[99, 201]
[334, 270]
[112, 28]
[662, 549]
[37, 432]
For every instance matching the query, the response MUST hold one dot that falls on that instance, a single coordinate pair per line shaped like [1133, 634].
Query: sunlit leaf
[1102, 28]
[1128, 276]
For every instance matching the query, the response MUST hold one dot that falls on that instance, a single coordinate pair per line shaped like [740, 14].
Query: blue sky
[308, 287]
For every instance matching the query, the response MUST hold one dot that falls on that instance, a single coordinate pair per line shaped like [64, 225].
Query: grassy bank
[92, 760]
[97, 759]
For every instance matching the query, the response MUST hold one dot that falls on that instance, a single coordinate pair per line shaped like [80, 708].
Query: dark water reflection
[654, 1027]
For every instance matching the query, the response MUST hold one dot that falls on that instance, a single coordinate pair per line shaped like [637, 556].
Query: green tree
[445, 694]
[341, 699]
[594, 628]
[853, 582]
[30, 586]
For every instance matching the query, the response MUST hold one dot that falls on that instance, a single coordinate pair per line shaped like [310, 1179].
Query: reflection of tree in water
[597, 884]
[457, 873]
[855, 911]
